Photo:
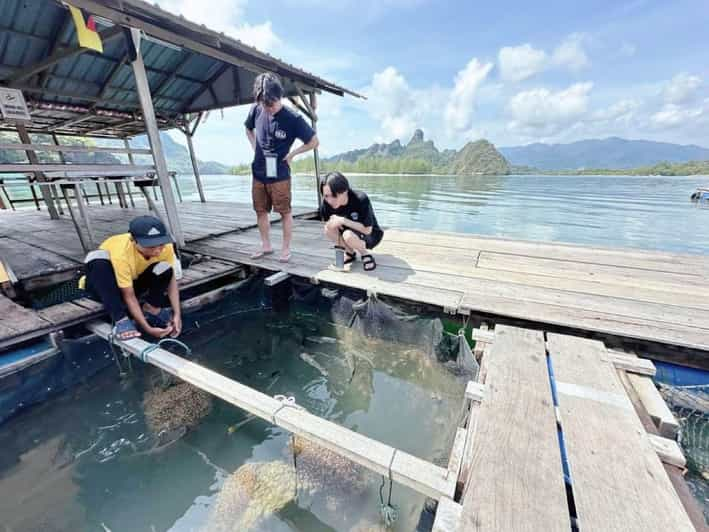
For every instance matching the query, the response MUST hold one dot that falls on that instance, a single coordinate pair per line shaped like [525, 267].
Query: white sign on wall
[13, 106]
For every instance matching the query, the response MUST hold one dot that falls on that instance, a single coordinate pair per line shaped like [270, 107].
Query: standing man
[271, 129]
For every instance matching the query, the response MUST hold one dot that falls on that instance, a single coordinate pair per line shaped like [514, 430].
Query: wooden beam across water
[404, 468]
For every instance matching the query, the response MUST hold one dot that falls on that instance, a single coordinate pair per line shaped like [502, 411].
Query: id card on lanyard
[271, 167]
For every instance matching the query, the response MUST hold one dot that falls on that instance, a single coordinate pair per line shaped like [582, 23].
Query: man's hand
[176, 326]
[288, 158]
[159, 332]
[337, 221]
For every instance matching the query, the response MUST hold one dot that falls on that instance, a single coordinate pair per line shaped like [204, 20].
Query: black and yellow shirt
[127, 261]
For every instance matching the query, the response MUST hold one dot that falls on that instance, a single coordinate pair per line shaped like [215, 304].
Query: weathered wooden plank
[632, 363]
[668, 450]
[629, 257]
[516, 480]
[18, 319]
[584, 319]
[448, 516]
[585, 271]
[655, 405]
[618, 480]
[64, 313]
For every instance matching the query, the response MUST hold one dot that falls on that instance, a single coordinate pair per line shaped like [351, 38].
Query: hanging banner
[86, 29]
[13, 106]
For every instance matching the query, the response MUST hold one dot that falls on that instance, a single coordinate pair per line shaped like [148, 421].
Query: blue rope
[152, 347]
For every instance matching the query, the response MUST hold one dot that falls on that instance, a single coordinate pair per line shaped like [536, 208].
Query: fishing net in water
[690, 405]
[375, 318]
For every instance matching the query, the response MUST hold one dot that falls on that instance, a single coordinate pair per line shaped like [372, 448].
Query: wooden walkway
[628, 294]
[513, 475]
[19, 324]
[42, 251]
[654, 297]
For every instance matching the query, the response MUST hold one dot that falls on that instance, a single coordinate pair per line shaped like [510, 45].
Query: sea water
[90, 459]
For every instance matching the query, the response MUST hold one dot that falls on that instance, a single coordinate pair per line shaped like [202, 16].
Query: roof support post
[193, 158]
[44, 188]
[151, 125]
[316, 156]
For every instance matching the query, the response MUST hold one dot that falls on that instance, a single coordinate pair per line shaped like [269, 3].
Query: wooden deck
[514, 479]
[652, 297]
[19, 324]
[628, 294]
[42, 251]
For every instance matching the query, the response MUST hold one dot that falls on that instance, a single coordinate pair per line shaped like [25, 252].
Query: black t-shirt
[358, 209]
[274, 137]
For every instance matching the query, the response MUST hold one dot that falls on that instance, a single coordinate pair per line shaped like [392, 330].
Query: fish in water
[305, 357]
[321, 339]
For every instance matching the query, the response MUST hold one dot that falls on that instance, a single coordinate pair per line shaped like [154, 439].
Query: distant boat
[700, 195]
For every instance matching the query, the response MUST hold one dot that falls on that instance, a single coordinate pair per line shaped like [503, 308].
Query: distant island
[418, 156]
[610, 156]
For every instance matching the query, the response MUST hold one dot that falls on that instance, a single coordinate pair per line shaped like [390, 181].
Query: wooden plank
[632, 363]
[516, 481]
[584, 271]
[668, 450]
[629, 257]
[618, 480]
[18, 319]
[382, 459]
[448, 516]
[655, 405]
[64, 313]
[584, 319]
[456, 458]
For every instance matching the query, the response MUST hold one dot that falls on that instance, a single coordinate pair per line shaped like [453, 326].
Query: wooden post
[55, 192]
[78, 189]
[195, 167]
[132, 162]
[316, 156]
[44, 189]
[73, 219]
[151, 125]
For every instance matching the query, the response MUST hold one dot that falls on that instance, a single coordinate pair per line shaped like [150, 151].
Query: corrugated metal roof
[198, 70]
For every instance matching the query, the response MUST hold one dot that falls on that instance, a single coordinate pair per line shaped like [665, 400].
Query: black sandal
[349, 258]
[368, 263]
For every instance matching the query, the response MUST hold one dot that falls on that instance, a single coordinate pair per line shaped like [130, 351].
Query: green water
[88, 460]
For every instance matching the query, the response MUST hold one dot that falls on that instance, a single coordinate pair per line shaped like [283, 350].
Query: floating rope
[388, 512]
[152, 347]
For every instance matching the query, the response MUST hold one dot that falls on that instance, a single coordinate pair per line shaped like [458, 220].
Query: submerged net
[690, 404]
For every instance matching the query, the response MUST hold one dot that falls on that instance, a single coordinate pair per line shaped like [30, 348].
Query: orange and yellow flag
[86, 30]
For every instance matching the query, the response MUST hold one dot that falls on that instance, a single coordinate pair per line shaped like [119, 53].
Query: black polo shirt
[358, 209]
[274, 137]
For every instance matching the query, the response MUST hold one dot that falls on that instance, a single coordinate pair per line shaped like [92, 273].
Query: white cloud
[621, 111]
[225, 16]
[547, 112]
[461, 104]
[682, 88]
[673, 115]
[570, 53]
[517, 63]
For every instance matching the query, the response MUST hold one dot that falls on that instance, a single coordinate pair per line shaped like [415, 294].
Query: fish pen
[318, 373]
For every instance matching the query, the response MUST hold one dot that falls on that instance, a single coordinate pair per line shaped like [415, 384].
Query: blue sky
[511, 72]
